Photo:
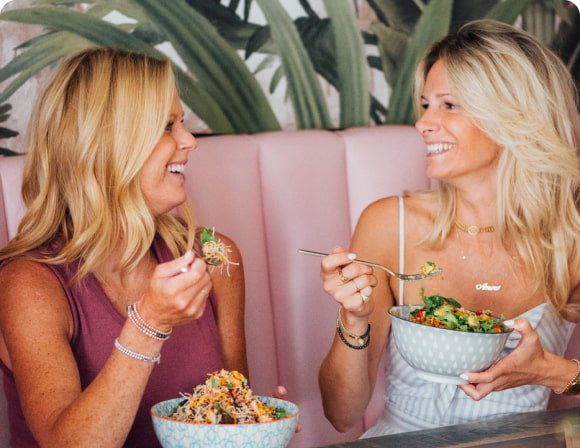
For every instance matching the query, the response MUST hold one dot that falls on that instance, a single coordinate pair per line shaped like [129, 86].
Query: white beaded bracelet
[135, 355]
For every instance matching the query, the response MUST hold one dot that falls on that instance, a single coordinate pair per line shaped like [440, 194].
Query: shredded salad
[429, 268]
[445, 312]
[225, 397]
[215, 251]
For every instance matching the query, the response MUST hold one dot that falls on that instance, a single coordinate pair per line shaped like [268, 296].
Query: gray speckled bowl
[174, 434]
[439, 354]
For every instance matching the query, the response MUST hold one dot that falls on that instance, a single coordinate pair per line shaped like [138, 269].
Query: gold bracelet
[574, 381]
[342, 329]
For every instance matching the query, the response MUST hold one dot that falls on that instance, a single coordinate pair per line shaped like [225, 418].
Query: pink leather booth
[274, 193]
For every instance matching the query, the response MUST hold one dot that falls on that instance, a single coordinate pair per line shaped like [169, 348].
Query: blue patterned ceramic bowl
[173, 434]
[439, 354]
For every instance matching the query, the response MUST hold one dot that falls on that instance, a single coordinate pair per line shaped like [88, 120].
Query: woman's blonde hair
[521, 95]
[90, 133]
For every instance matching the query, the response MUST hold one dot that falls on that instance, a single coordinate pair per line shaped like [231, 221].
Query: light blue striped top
[413, 404]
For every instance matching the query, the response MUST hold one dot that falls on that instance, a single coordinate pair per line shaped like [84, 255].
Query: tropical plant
[405, 29]
[5, 132]
[210, 35]
[216, 83]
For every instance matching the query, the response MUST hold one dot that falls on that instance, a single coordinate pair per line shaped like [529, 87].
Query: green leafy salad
[445, 312]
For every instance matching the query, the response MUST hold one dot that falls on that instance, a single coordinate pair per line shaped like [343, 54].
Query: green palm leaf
[433, 25]
[508, 10]
[7, 133]
[201, 103]
[235, 30]
[351, 65]
[399, 15]
[467, 10]
[392, 45]
[39, 54]
[8, 152]
[318, 39]
[4, 132]
[4, 109]
[307, 99]
[215, 64]
[107, 35]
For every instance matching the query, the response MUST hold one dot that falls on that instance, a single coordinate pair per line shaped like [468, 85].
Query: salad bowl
[176, 434]
[441, 354]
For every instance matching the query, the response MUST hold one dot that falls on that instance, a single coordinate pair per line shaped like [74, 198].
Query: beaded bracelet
[355, 347]
[135, 355]
[573, 380]
[360, 339]
[145, 328]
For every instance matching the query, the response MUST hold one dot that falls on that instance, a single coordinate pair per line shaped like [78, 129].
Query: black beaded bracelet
[356, 337]
[355, 347]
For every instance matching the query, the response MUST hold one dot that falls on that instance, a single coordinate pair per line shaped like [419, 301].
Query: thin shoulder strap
[401, 247]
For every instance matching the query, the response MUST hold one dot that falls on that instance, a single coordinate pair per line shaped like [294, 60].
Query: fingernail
[183, 270]
[463, 376]
[509, 323]
[351, 256]
[188, 255]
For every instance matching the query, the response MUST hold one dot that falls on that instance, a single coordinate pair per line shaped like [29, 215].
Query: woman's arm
[347, 377]
[36, 327]
[529, 363]
[230, 298]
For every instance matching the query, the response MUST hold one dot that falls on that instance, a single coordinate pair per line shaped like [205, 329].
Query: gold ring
[364, 298]
[342, 277]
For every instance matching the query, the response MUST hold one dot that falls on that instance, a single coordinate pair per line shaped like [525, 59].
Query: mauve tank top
[192, 351]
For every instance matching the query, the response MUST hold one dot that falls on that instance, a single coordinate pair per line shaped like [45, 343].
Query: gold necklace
[498, 277]
[472, 229]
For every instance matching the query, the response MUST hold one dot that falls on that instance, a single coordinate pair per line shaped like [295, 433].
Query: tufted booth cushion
[273, 193]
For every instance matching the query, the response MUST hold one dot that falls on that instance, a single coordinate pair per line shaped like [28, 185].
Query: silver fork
[404, 277]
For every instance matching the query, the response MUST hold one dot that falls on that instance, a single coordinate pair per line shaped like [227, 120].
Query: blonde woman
[105, 306]
[496, 112]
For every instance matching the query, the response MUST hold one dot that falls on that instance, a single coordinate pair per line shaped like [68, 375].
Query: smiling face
[162, 176]
[456, 147]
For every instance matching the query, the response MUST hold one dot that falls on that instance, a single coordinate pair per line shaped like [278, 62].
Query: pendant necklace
[472, 231]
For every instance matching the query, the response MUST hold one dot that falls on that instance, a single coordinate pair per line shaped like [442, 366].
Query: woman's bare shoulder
[385, 211]
[25, 273]
[226, 240]
[421, 205]
[381, 212]
[376, 233]
[31, 285]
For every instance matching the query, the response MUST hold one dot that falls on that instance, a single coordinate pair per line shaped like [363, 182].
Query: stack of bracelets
[146, 329]
[362, 340]
[140, 323]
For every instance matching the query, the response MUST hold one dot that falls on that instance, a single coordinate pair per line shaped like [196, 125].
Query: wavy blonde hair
[521, 95]
[90, 133]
